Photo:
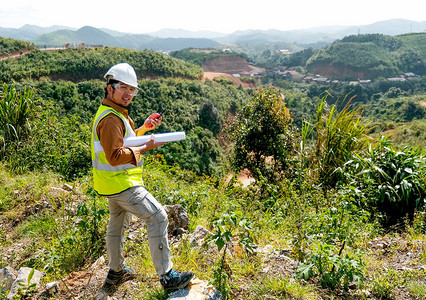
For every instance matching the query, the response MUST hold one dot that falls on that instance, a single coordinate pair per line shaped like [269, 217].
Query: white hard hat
[122, 72]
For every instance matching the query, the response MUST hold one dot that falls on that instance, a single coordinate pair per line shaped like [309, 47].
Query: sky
[226, 16]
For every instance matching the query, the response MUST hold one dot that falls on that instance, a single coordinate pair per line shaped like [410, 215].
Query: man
[117, 175]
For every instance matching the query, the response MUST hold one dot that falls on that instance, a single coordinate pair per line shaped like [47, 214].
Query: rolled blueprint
[140, 140]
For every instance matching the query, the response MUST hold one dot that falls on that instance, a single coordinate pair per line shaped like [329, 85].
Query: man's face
[121, 93]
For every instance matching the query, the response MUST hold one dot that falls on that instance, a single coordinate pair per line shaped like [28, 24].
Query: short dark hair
[110, 81]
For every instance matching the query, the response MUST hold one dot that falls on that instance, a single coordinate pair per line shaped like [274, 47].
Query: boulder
[23, 275]
[197, 238]
[7, 277]
[51, 289]
[197, 290]
[178, 219]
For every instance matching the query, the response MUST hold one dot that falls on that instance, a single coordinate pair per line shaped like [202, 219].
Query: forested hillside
[370, 56]
[84, 64]
[332, 207]
[9, 46]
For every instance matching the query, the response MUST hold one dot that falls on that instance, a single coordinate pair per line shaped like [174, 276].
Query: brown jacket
[111, 132]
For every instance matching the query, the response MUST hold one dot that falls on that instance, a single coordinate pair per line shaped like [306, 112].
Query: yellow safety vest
[107, 179]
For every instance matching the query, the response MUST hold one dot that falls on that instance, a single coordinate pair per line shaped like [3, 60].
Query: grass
[28, 187]
[400, 134]
[293, 222]
[417, 288]
[36, 226]
[281, 287]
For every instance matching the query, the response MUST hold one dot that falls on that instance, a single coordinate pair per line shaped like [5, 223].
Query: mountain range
[176, 39]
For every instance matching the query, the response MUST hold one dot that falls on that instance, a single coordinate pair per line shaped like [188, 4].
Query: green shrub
[61, 145]
[10, 45]
[332, 269]
[223, 80]
[264, 137]
[390, 182]
[16, 111]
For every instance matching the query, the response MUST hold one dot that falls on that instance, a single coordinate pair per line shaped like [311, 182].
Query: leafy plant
[391, 182]
[90, 225]
[60, 145]
[223, 233]
[75, 240]
[332, 269]
[26, 289]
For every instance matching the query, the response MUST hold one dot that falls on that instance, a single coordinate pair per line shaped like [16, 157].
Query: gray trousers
[138, 201]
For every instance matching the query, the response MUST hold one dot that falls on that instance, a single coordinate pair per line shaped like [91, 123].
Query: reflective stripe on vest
[108, 179]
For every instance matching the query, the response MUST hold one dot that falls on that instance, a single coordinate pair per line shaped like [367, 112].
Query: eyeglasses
[124, 88]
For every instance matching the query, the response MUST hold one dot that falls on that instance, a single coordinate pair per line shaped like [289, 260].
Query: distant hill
[29, 32]
[93, 36]
[88, 35]
[323, 34]
[389, 27]
[370, 56]
[176, 39]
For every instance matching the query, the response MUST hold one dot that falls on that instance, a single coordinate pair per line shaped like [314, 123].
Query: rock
[23, 275]
[197, 290]
[7, 277]
[52, 287]
[49, 292]
[100, 262]
[197, 238]
[67, 187]
[178, 219]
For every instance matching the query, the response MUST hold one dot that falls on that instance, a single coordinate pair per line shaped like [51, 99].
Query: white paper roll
[140, 140]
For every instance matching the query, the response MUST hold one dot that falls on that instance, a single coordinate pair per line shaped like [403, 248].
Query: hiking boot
[175, 280]
[114, 279]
